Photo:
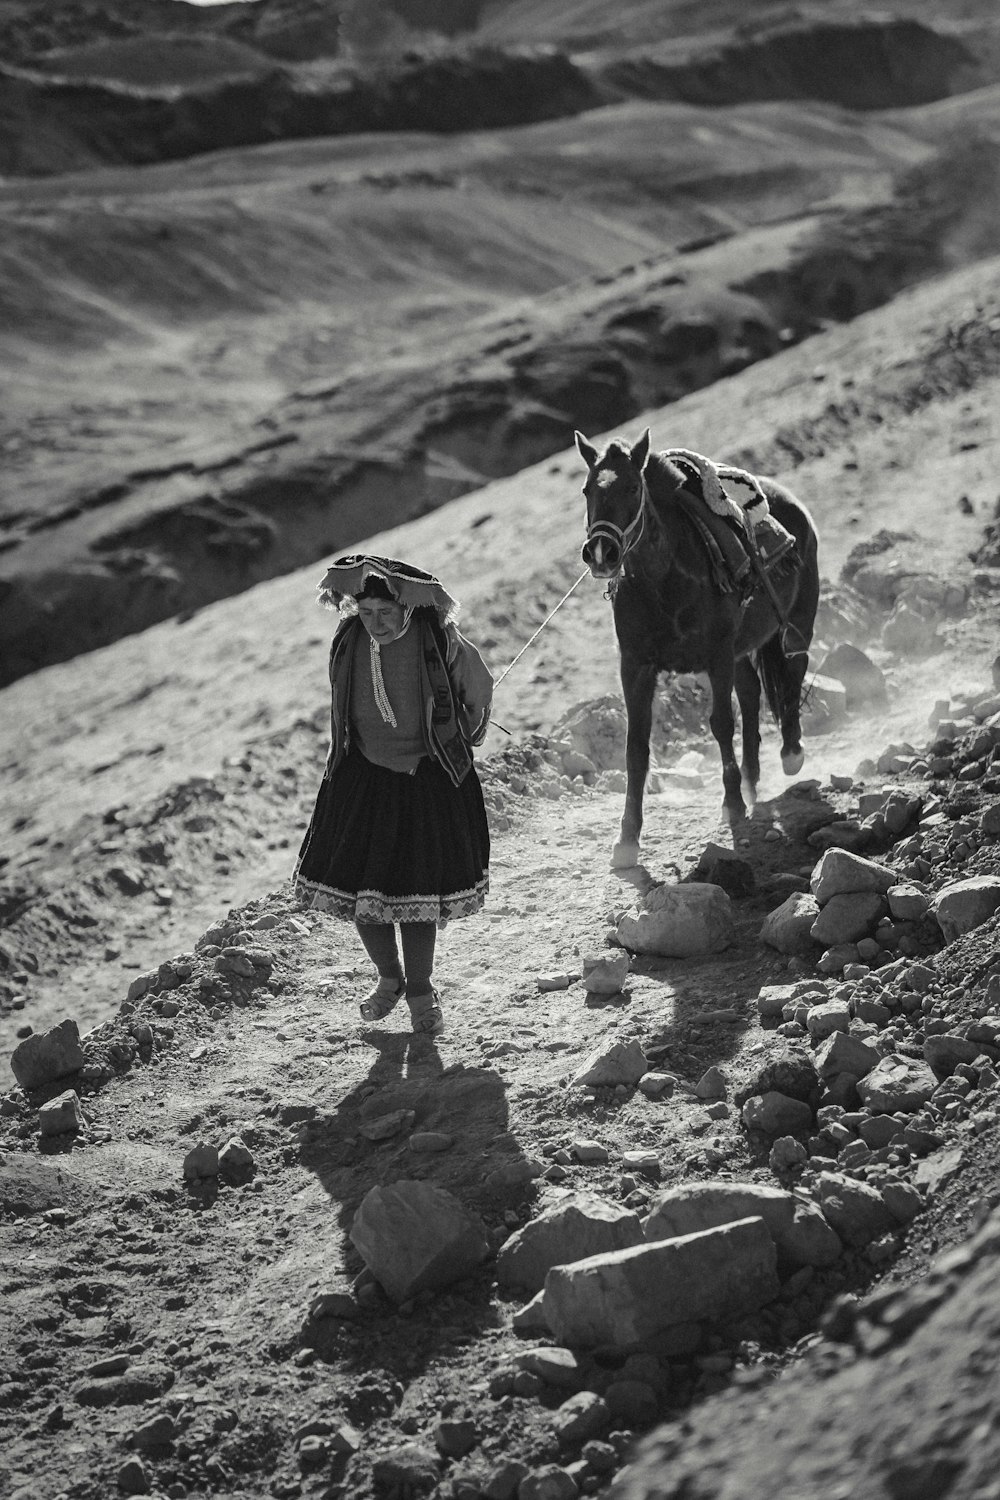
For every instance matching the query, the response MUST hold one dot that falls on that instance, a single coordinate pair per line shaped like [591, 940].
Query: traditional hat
[410, 586]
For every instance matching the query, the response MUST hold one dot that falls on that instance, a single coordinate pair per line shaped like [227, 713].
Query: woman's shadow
[412, 1119]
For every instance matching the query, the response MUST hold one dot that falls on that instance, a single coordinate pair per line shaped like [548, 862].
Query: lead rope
[511, 665]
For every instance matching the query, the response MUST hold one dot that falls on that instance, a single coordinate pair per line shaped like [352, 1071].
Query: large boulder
[864, 682]
[840, 873]
[897, 1083]
[827, 1017]
[416, 1237]
[774, 1113]
[966, 904]
[41, 1059]
[679, 921]
[568, 1231]
[625, 1299]
[788, 927]
[791, 1072]
[946, 1050]
[800, 1232]
[855, 1211]
[845, 1053]
[847, 917]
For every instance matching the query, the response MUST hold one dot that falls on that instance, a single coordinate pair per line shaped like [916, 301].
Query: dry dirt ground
[167, 778]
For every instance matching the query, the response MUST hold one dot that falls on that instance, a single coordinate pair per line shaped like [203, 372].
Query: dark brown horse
[670, 616]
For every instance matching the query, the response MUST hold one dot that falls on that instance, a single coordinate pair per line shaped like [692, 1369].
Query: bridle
[624, 538]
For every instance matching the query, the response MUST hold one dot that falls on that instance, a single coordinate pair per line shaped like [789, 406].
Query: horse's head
[614, 491]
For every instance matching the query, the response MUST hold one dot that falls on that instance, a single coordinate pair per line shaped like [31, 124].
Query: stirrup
[382, 999]
[771, 542]
[428, 1020]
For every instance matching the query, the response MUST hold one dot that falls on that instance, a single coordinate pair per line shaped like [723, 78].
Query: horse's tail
[781, 673]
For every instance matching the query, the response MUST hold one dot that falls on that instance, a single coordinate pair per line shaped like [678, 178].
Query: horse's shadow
[728, 980]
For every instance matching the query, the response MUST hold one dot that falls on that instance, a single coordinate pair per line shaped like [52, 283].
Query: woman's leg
[419, 939]
[418, 956]
[379, 939]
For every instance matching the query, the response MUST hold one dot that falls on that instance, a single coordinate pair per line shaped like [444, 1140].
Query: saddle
[741, 556]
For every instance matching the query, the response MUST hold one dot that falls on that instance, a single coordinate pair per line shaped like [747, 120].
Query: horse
[671, 617]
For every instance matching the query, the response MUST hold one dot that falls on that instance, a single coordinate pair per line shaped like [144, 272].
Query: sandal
[426, 1018]
[382, 999]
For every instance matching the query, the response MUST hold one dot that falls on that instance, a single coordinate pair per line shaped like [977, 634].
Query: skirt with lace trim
[387, 846]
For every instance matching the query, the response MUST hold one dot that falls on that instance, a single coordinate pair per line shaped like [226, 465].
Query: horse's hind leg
[783, 677]
[638, 685]
[796, 641]
[723, 726]
[748, 695]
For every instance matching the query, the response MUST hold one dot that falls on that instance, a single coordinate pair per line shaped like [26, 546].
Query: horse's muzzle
[602, 555]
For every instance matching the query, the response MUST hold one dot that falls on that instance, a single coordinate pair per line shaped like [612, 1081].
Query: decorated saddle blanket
[742, 540]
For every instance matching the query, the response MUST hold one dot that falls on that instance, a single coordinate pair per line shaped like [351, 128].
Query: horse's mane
[665, 475]
[664, 479]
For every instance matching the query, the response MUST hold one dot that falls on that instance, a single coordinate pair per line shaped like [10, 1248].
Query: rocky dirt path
[172, 1334]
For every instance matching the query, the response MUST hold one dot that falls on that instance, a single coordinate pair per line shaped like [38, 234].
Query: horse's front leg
[723, 726]
[638, 685]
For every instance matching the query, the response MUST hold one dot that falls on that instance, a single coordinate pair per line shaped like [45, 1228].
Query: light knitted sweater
[398, 749]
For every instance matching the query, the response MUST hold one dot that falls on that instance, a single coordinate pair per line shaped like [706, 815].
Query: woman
[399, 831]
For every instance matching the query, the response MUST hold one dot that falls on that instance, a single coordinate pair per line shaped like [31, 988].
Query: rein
[538, 632]
[510, 666]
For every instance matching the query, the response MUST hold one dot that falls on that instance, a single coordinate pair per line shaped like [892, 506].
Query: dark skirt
[385, 846]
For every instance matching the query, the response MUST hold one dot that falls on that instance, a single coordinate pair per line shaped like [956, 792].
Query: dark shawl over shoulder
[456, 689]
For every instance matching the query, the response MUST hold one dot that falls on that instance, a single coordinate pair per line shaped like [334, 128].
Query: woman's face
[382, 619]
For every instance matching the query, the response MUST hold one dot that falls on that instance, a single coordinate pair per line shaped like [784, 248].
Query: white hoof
[624, 856]
[792, 763]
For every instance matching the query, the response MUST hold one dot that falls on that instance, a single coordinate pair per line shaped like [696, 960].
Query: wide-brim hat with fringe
[411, 586]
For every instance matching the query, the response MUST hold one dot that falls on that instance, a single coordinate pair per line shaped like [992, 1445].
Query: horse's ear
[586, 450]
[640, 450]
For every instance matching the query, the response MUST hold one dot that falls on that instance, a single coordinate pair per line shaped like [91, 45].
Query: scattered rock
[236, 1162]
[409, 1470]
[846, 917]
[776, 1114]
[201, 1161]
[712, 1084]
[720, 866]
[549, 1482]
[132, 1478]
[679, 921]
[62, 1115]
[622, 1062]
[944, 1051]
[581, 1417]
[854, 1210]
[605, 975]
[963, 905]
[840, 873]
[47, 1055]
[897, 1084]
[558, 1367]
[864, 682]
[789, 927]
[414, 1237]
